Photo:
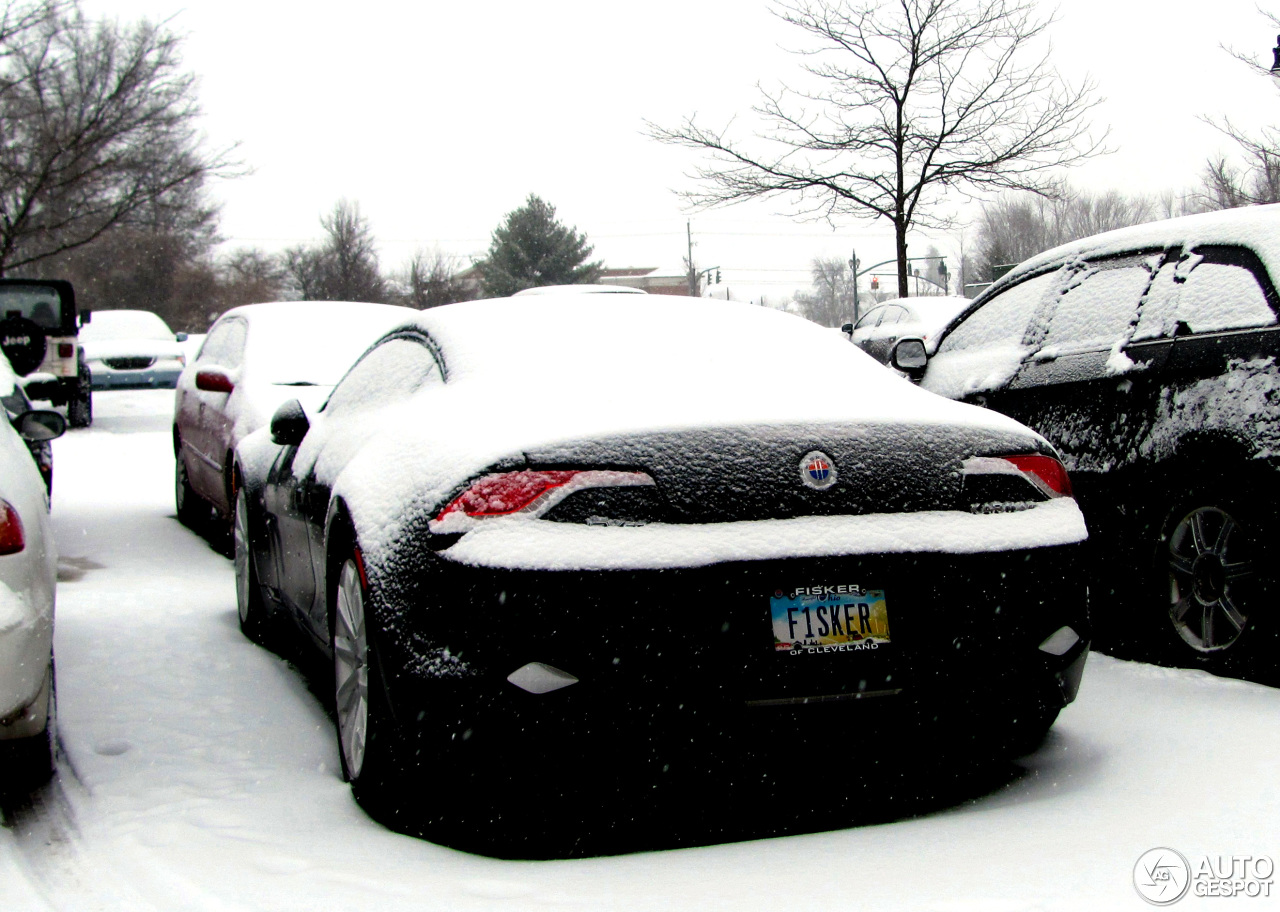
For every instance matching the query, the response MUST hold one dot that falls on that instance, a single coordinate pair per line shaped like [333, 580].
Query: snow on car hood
[534, 371]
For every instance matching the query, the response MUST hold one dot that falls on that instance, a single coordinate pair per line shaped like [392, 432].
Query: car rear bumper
[687, 656]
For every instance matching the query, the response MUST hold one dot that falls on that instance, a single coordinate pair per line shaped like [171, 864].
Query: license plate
[816, 619]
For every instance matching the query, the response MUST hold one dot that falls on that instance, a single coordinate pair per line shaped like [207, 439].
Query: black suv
[1148, 356]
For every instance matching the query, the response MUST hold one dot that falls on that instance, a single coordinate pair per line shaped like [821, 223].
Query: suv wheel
[1214, 582]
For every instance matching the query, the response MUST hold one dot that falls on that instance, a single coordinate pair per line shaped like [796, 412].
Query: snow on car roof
[578, 289]
[111, 325]
[1256, 227]
[313, 341]
[680, 361]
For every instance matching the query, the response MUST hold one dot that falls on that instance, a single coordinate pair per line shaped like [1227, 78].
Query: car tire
[30, 762]
[80, 405]
[192, 509]
[1211, 585]
[255, 619]
[366, 729]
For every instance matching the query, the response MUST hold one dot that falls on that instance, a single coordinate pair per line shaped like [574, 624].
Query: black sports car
[557, 537]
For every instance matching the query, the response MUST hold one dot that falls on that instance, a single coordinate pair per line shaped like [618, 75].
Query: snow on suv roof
[1255, 227]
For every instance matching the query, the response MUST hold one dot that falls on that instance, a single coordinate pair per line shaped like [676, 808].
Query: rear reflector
[12, 539]
[529, 493]
[66, 350]
[1047, 474]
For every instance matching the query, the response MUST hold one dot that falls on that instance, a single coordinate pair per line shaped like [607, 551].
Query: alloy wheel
[1211, 568]
[240, 534]
[351, 669]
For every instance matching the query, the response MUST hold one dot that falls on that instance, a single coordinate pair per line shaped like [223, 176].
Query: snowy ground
[200, 773]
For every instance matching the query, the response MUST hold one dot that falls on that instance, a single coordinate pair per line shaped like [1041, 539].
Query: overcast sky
[438, 118]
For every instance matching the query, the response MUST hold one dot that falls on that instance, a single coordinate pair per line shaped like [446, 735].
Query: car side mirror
[847, 329]
[180, 337]
[289, 424]
[214, 380]
[910, 356]
[39, 425]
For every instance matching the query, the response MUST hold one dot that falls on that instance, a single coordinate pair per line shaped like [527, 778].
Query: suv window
[38, 303]
[1003, 319]
[393, 371]
[1097, 313]
[1206, 296]
[1217, 296]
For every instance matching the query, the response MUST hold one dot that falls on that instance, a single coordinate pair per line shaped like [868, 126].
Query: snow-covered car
[28, 570]
[253, 358]
[1148, 356]
[38, 335]
[15, 401]
[565, 537]
[132, 349]
[920, 317]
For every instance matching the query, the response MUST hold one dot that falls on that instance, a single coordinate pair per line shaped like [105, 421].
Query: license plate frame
[812, 620]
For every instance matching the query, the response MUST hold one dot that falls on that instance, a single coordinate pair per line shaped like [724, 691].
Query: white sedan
[28, 570]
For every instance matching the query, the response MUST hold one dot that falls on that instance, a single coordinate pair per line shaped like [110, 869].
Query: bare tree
[1016, 226]
[249, 275]
[911, 98]
[830, 302]
[99, 126]
[1227, 184]
[431, 279]
[344, 267]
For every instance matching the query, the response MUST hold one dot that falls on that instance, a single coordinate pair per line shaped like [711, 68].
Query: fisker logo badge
[817, 470]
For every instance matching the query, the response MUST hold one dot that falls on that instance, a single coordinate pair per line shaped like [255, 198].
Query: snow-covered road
[200, 773]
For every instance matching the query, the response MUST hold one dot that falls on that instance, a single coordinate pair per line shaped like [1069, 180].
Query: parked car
[38, 334]
[253, 358]
[921, 317]
[557, 537]
[28, 570]
[16, 403]
[1148, 357]
[132, 349]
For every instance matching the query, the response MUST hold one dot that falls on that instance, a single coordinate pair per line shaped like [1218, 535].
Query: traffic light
[717, 276]
[875, 283]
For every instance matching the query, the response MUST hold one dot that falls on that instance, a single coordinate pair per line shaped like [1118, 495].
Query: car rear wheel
[1213, 582]
[191, 509]
[254, 618]
[29, 762]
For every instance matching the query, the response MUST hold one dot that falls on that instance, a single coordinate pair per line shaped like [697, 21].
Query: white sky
[438, 118]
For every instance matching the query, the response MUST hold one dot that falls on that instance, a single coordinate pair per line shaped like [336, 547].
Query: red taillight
[530, 491]
[1051, 474]
[66, 350]
[11, 538]
[498, 495]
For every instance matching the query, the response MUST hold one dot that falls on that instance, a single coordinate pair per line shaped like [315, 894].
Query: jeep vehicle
[1148, 357]
[38, 334]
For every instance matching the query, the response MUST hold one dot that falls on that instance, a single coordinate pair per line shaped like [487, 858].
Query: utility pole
[853, 274]
[693, 274]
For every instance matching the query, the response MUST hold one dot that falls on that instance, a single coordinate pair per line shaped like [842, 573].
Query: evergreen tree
[531, 248]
